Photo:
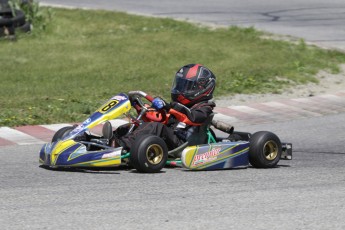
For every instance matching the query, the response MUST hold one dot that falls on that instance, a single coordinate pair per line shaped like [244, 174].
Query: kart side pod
[222, 155]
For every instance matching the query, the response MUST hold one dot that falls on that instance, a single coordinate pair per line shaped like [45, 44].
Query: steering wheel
[136, 96]
[149, 113]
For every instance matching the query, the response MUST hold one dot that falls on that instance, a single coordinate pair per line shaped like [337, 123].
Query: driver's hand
[158, 103]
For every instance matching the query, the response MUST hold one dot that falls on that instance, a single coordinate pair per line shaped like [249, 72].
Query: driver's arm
[197, 115]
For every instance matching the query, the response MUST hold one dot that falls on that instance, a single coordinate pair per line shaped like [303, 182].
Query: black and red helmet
[193, 83]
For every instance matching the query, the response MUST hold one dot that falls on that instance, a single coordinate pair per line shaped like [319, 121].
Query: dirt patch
[328, 84]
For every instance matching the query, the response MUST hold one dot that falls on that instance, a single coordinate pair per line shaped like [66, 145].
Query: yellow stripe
[101, 162]
[59, 148]
[192, 159]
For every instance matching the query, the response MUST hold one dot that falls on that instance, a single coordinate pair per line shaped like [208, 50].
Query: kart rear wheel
[149, 154]
[62, 132]
[265, 150]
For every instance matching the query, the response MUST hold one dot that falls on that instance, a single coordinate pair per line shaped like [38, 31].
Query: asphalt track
[305, 193]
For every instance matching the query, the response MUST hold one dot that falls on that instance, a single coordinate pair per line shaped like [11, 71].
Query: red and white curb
[282, 110]
[258, 113]
[38, 134]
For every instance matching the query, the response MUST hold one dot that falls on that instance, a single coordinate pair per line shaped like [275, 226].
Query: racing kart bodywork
[75, 146]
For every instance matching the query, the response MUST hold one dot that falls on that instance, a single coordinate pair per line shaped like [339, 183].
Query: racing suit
[182, 123]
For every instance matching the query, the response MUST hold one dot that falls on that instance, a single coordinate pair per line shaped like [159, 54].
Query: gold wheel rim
[154, 154]
[271, 150]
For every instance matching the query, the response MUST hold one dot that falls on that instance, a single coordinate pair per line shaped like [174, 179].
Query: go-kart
[77, 147]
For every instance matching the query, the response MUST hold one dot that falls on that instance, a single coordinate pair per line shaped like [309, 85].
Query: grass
[84, 57]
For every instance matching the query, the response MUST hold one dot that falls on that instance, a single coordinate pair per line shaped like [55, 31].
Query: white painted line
[304, 100]
[279, 105]
[62, 6]
[222, 117]
[332, 97]
[18, 137]
[249, 110]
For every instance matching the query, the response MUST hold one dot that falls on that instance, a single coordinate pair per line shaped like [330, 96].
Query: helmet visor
[183, 85]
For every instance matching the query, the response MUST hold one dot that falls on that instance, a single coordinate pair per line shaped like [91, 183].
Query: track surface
[305, 193]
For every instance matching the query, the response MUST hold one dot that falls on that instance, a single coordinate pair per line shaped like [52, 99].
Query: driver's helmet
[193, 83]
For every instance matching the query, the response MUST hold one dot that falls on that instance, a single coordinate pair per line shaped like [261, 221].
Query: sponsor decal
[206, 157]
[112, 154]
[119, 98]
[88, 121]
[76, 130]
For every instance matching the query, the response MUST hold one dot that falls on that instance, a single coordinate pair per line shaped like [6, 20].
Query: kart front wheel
[149, 154]
[265, 150]
[62, 132]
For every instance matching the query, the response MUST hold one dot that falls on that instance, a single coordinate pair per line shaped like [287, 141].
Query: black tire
[62, 132]
[8, 19]
[265, 150]
[149, 154]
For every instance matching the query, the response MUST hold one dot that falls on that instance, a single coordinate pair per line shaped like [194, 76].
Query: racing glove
[158, 103]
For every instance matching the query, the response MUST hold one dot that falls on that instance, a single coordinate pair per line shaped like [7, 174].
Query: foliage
[39, 17]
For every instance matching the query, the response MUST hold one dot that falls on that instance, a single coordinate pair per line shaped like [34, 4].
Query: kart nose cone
[45, 153]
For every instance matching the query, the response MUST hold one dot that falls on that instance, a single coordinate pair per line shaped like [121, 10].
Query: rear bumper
[286, 151]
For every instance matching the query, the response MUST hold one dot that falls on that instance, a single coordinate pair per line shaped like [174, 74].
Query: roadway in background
[317, 21]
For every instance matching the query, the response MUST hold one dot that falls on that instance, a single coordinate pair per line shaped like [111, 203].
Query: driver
[191, 93]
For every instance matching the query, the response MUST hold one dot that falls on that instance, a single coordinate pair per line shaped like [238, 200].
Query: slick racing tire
[62, 132]
[265, 150]
[149, 154]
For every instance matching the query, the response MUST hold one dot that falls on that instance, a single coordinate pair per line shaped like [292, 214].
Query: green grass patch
[83, 57]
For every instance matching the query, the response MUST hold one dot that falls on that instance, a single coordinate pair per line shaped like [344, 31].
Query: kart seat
[198, 137]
